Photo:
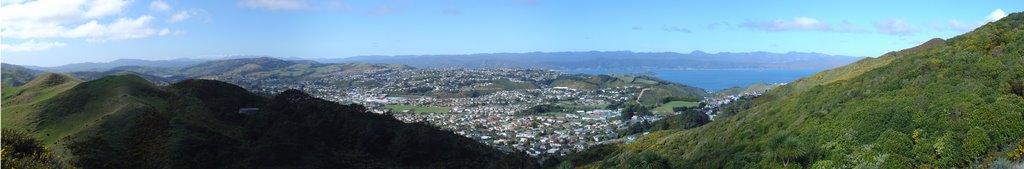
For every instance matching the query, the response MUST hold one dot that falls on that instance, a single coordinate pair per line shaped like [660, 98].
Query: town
[487, 104]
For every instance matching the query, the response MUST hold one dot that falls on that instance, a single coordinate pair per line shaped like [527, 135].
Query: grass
[667, 107]
[418, 108]
[21, 104]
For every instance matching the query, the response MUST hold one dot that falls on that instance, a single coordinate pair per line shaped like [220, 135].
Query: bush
[21, 150]
[975, 143]
[647, 160]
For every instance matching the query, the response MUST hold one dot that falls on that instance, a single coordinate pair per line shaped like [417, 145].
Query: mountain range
[616, 60]
[104, 66]
[541, 60]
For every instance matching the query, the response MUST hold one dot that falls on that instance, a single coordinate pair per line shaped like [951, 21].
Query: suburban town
[487, 104]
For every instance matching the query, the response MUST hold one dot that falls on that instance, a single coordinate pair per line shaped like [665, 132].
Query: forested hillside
[956, 103]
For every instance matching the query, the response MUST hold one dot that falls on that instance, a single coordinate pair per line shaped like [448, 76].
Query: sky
[58, 32]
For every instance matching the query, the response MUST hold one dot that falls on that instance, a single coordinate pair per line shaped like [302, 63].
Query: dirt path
[641, 95]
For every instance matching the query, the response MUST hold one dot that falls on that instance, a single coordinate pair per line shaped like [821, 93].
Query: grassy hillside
[124, 121]
[20, 103]
[658, 90]
[954, 103]
[14, 75]
[756, 87]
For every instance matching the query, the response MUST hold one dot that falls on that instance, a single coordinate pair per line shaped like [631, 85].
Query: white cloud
[995, 15]
[846, 26]
[126, 28]
[181, 16]
[159, 6]
[31, 45]
[164, 32]
[798, 23]
[896, 27]
[93, 31]
[273, 4]
[960, 26]
[71, 19]
[42, 11]
[102, 8]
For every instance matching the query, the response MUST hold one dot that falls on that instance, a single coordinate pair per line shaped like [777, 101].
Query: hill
[20, 103]
[159, 80]
[124, 121]
[753, 88]
[615, 60]
[657, 90]
[947, 104]
[14, 75]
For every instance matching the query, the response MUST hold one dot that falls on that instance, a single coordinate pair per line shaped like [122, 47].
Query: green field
[418, 109]
[667, 107]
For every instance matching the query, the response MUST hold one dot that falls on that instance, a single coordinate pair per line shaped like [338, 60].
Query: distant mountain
[159, 80]
[15, 75]
[105, 66]
[615, 60]
[954, 103]
[123, 121]
[273, 67]
[234, 69]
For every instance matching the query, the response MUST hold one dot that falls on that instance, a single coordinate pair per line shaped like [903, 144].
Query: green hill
[756, 87]
[14, 75]
[957, 103]
[20, 103]
[87, 76]
[124, 121]
[658, 90]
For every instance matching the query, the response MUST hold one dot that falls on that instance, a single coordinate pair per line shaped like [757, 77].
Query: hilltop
[947, 103]
[124, 121]
[20, 102]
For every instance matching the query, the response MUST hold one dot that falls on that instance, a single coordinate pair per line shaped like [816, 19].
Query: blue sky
[57, 32]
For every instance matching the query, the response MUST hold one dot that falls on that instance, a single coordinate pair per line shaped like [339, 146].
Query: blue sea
[714, 80]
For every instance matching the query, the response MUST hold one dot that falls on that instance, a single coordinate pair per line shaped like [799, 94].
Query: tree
[680, 109]
[786, 148]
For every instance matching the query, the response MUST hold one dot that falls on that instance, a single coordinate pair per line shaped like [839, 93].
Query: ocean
[714, 80]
